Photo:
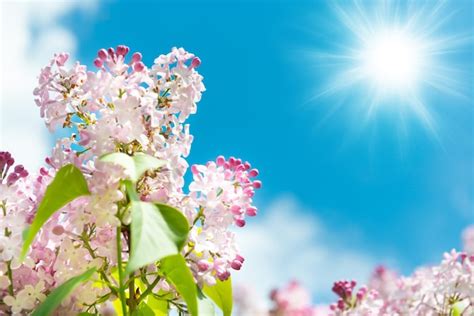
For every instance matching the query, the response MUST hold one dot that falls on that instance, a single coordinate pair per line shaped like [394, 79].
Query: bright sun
[394, 55]
[392, 60]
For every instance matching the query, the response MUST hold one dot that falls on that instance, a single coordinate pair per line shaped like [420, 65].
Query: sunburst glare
[395, 52]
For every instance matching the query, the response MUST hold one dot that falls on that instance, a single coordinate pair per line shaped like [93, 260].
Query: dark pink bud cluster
[344, 290]
[111, 57]
[7, 161]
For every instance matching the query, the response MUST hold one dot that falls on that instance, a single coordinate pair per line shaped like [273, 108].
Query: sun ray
[397, 52]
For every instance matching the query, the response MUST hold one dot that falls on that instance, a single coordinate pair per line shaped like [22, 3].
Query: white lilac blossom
[121, 106]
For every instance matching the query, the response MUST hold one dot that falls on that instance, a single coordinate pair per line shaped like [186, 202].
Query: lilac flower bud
[102, 54]
[139, 66]
[195, 63]
[122, 50]
[98, 62]
[136, 57]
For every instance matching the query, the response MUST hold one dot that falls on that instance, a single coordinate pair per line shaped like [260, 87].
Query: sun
[392, 60]
[393, 55]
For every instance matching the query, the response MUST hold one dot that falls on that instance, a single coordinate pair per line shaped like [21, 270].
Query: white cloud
[31, 32]
[290, 242]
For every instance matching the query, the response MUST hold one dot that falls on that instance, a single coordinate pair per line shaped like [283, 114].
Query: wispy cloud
[31, 31]
[290, 242]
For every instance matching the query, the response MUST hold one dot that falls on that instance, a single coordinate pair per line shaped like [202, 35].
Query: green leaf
[55, 298]
[178, 274]
[159, 307]
[157, 231]
[205, 305]
[177, 222]
[143, 310]
[456, 310]
[221, 294]
[67, 185]
[135, 165]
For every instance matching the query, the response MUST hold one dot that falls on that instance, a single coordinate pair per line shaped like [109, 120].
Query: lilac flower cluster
[121, 106]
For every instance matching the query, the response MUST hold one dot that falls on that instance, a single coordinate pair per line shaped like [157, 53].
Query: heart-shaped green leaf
[67, 185]
[157, 231]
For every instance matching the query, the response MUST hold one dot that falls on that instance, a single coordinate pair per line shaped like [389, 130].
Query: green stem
[149, 289]
[101, 272]
[120, 272]
[132, 301]
[10, 278]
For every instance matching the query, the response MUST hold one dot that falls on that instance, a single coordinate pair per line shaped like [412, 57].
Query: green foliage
[135, 165]
[177, 273]
[156, 231]
[67, 185]
[221, 294]
[159, 307]
[143, 310]
[205, 305]
[55, 298]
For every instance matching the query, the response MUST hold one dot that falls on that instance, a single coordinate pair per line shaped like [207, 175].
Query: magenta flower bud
[240, 258]
[44, 171]
[19, 168]
[122, 50]
[195, 63]
[251, 211]
[253, 173]
[136, 57]
[340, 304]
[240, 222]
[139, 66]
[23, 174]
[12, 178]
[102, 54]
[98, 62]
[236, 210]
[232, 161]
[203, 265]
[247, 165]
[58, 230]
[194, 169]
[236, 265]
[240, 167]
[257, 184]
[223, 276]
[220, 160]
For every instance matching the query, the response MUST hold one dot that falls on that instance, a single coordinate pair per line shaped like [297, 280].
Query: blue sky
[398, 194]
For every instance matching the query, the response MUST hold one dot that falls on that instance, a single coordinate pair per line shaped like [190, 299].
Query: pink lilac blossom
[292, 300]
[443, 289]
[120, 106]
